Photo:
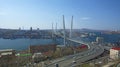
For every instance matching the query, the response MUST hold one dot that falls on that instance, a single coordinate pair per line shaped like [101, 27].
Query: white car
[74, 61]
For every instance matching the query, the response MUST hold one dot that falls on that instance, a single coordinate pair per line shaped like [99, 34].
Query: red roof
[81, 46]
[116, 48]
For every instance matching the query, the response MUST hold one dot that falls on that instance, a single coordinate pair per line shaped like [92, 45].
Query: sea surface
[107, 38]
[22, 44]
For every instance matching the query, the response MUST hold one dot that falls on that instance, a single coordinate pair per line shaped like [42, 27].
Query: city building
[30, 28]
[38, 29]
[115, 53]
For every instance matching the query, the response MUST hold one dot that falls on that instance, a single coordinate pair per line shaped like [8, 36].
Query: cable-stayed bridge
[67, 61]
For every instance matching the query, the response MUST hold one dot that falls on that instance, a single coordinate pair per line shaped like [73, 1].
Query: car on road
[56, 65]
[73, 61]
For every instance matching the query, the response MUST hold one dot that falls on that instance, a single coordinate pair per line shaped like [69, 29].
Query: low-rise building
[115, 53]
[7, 52]
[37, 55]
[7, 58]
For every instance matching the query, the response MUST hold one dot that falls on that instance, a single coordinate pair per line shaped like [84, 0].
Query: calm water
[21, 44]
[108, 38]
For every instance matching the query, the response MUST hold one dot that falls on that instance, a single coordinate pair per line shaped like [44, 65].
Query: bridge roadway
[107, 47]
[67, 61]
[77, 41]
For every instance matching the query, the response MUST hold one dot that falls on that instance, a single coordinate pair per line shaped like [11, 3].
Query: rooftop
[6, 50]
[116, 48]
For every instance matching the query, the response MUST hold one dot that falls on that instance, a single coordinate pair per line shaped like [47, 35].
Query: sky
[91, 14]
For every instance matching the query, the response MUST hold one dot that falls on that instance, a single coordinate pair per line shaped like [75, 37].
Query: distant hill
[102, 31]
[83, 30]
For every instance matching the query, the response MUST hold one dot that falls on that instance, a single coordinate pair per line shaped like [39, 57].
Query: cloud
[85, 18]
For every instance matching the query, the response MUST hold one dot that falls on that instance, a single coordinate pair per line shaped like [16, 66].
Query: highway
[92, 54]
[67, 61]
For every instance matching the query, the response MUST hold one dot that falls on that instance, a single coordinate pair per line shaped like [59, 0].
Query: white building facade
[115, 53]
